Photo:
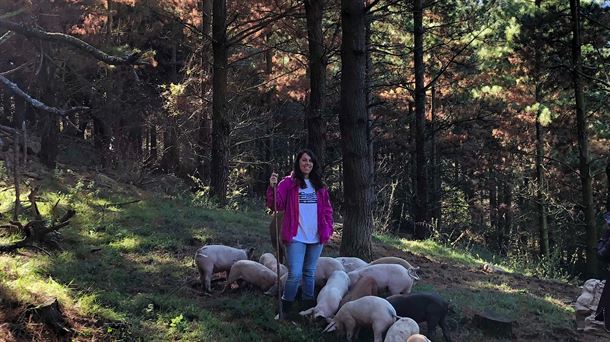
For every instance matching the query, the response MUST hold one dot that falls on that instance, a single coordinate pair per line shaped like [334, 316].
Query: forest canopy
[478, 123]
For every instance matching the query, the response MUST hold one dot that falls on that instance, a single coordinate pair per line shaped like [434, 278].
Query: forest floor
[126, 273]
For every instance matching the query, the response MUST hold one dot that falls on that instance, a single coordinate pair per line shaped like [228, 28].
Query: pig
[397, 261]
[253, 273]
[418, 338]
[217, 258]
[366, 311]
[365, 286]
[270, 262]
[423, 306]
[351, 263]
[325, 267]
[395, 278]
[329, 297]
[401, 330]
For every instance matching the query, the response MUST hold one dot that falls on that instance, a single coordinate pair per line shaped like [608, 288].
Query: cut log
[494, 324]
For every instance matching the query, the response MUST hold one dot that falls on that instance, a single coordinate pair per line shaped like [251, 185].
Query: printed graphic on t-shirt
[308, 198]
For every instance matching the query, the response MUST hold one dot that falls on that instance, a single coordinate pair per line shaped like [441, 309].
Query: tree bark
[152, 142]
[505, 216]
[6, 107]
[540, 186]
[316, 126]
[435, 167]
[583, 142]
[220, 124]
[608, 185]
[421, 197]
[354, 126]
[204, 138]
[50, 122]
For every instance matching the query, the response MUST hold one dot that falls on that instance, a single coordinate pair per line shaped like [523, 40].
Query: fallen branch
[38, 104]
[108, 205]
[31, 32]
[37, 232]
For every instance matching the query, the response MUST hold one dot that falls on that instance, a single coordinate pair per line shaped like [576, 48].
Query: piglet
[401, 330]
[397, 261]
[211, 259]
[365, 286]
[418, 338]
[253, 273]
[270, 262]
[325, 267]
[395, 278]
[423, 307]
[329, 297]
[351, 263]
[371, 311]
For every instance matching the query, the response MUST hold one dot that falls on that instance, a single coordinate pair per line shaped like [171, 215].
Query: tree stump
[494, 324]
[50, 314]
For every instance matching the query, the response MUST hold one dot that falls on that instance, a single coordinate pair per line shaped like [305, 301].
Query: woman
[307, 224]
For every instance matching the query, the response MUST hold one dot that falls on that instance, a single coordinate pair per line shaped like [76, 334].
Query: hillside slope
[126, 273]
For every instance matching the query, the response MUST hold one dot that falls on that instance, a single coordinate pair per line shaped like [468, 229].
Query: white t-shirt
[308, 215]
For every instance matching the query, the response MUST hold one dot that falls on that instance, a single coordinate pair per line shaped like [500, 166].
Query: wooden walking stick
[277, 252]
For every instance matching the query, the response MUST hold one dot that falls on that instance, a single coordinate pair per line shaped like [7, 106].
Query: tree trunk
[204, 138]
[50, 125]
[316, 125]
[152, 142]
[540, 187]
[435, 167]
[493, 198]
[101, 139]
[505, 216]
[608, 185]
[6, 107]
[583, 142]
[220, 124]
[353, 122]
[421, 197]
[169, 159]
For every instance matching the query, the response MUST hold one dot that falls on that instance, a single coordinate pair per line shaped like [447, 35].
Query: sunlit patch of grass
[30, 288]
[88, 305]
[436, 251]
[511, 302]
[127, 244]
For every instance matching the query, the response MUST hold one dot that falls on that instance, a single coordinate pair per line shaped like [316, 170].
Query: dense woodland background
[482, 124]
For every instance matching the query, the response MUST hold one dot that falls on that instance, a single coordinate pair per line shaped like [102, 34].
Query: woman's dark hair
[314, 176]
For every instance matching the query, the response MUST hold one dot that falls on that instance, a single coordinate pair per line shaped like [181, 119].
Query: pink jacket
[288, 201]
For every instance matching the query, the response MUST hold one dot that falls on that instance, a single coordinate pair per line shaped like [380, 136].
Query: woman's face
[305, 164]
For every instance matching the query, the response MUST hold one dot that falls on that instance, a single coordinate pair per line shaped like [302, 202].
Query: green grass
[432, 250]
[128, 266]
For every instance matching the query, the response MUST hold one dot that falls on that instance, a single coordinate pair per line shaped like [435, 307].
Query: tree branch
[6, 36]
[37, 104]
[67, 39]
[459, 52]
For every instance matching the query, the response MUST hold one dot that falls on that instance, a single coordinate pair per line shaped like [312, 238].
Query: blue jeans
[302, 260]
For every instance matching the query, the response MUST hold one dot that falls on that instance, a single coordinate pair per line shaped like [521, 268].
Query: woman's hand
[273, 179]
